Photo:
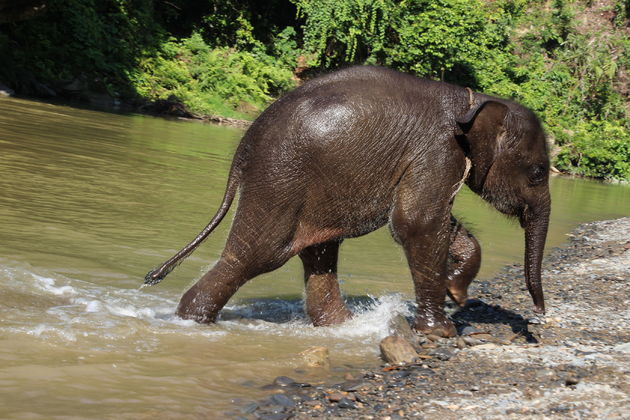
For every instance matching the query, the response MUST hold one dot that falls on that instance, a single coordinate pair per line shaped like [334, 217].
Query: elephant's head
[510, 166]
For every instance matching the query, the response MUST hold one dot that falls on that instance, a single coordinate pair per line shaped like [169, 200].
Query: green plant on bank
[565, 59]
[212, 80]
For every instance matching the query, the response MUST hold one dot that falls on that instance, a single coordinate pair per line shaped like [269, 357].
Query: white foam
[134, 317]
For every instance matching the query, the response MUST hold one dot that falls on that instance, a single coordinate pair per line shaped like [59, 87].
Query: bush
[212, 80]
[598, 149]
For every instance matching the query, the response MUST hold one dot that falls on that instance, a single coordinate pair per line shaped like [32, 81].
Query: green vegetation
[566, 60]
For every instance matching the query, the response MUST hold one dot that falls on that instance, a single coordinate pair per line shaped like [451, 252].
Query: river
[91, 201]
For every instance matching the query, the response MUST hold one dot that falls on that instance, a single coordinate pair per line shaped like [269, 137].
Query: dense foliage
[567, 60]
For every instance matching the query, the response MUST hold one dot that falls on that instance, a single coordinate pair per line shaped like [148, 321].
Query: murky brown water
[90, 201]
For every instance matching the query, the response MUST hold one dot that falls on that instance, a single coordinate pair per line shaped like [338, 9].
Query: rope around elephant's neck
[471, 97]
[460, 184]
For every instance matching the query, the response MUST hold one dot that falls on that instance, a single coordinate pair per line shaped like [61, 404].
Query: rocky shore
[505, 362]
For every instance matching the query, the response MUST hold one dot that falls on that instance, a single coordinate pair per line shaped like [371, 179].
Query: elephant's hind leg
[253, 247]
[203, 301]
[464, 260]
[324, 304]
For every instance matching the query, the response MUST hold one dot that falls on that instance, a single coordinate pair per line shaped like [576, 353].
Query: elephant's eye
[537, 174]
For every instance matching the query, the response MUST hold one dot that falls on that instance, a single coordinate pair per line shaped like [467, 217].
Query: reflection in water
[89, 202]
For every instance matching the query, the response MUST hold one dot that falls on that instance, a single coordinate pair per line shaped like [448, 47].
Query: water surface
[90, 201]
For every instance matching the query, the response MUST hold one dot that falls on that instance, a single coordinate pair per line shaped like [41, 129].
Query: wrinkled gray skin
[363, 147]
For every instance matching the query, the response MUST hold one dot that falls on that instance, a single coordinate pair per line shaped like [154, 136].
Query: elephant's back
[361, 122]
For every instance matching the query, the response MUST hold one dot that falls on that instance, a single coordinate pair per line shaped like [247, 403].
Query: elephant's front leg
[464, 260]
[424, 235]
[324, 303]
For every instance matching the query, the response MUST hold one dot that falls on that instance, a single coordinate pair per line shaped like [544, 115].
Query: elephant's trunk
[535, 220]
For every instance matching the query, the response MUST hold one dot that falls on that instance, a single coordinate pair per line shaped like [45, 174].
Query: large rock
[400, 327]
[397, 350]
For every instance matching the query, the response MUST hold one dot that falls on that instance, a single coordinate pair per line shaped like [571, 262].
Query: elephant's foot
[434, 324]
[201, 305]
[196, 309]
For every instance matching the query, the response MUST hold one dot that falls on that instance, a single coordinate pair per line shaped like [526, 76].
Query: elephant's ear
[482, 135]
[483, 127]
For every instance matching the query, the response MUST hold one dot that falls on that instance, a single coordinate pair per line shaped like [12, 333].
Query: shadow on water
[286, 309]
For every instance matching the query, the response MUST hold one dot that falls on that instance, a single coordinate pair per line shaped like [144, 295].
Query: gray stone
[468, 329]
[346, 403]
[282, 400]
[275, 416]
[442, 354]
[400, 327]
[351, 386]
[283, 381]
[397, 350]
[249, 408]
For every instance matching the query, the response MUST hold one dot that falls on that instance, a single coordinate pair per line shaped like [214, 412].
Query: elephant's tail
[157, 275]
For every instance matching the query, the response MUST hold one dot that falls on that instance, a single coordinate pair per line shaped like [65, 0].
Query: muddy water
[90, 201]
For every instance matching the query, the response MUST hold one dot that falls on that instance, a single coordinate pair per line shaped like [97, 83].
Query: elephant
[351, 151]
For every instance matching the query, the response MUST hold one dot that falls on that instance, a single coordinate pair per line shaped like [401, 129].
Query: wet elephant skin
[359, 148]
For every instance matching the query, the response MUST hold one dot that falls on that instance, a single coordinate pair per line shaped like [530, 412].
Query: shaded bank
[506, 363]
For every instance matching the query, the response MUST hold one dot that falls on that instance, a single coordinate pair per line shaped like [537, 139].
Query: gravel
[574, 362]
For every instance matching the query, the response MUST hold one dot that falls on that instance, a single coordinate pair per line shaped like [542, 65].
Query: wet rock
[351, 386]
[346, 403]
[434, 338]
[249, 408]
[284, 381]
[400, 326]
[470, 341]
[397, 350]
[442, 354]
[282, 400]
[275, 416]
[316, 357]
[335, 396]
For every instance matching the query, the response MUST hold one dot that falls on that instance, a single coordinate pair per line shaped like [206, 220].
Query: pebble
[486, 346]
[275, 416]
[471, 341]
[346, 403]
[442, 354]
[468, 329]
[249, 408]
[397, 350]
[282, 400]
[434, 338]
[351, 386]
[622, 348]
[335, 396]
[283, 381]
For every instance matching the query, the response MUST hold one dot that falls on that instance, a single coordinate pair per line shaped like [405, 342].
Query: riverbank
[506, 363]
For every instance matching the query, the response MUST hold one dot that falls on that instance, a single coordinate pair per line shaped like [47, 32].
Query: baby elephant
[351, 151]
